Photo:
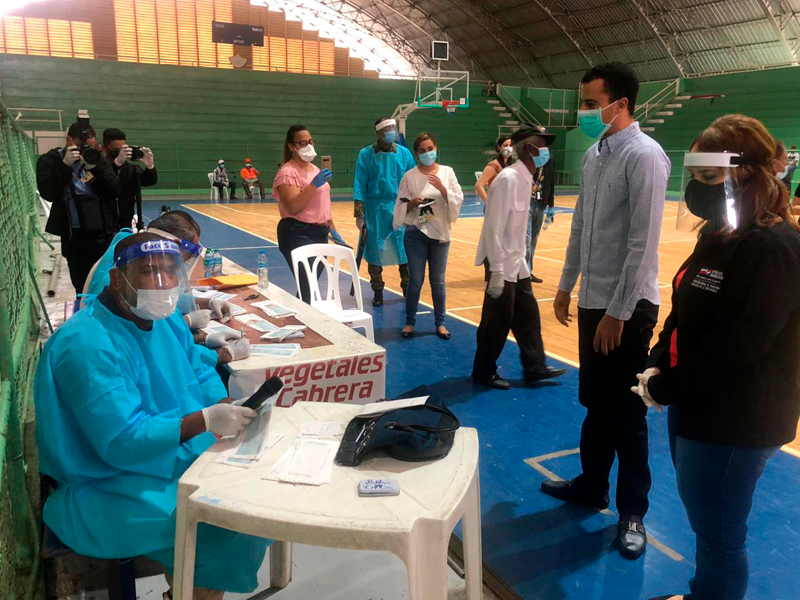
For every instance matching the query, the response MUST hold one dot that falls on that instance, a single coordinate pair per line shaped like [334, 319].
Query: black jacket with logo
[737, 316]
[52, 179]
[126, 204]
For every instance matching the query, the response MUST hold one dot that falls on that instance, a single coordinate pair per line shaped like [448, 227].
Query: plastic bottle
[263, 270]
[217, 263]
[208, 262]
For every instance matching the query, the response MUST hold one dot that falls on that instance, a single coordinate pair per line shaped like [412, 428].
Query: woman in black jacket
[728, 359]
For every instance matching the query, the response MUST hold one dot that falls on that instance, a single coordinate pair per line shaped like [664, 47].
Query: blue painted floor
[542, 548]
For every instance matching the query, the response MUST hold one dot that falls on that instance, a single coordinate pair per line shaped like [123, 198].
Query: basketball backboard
[435, 86]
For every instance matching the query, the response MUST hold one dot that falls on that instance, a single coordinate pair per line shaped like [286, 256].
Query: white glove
[71, 156]
[222, 309]
[147, 159]
[197, 319]
[227, 419]
[238, 350]
[496, 284]
[221, 338]
[641, 389]
[124, 155]
[360, 223]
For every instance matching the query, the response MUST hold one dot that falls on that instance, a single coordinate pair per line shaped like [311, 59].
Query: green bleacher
[772, 96]
[191, 117]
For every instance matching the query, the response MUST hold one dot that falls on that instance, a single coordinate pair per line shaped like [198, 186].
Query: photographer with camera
[83, 189]
[131, 176]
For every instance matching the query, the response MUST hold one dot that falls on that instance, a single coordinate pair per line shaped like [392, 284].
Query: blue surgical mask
[390, 137]
[541, 160]
[428, 158]
[591, 121]
[221, 165]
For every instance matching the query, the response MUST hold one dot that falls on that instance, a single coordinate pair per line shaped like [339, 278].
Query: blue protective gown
[109, 402]
[377, 178]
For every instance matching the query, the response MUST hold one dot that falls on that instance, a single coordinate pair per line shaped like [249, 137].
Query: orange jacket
[248, 173]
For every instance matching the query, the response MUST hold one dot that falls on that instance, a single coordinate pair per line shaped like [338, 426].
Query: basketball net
[450, 106]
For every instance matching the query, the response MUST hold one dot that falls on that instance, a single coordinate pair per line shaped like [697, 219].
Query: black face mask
[113, 154]
[707, 201]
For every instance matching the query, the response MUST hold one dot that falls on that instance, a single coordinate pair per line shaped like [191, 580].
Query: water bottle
[208, 262]
[217, 263]
[263, 270]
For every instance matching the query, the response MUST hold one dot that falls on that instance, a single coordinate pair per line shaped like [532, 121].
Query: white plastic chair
[214, 193]
[309, 258]
[254, 189]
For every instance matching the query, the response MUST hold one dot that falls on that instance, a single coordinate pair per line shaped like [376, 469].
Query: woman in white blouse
[428, 201]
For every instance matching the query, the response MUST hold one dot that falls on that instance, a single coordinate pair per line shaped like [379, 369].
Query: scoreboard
[237, 34]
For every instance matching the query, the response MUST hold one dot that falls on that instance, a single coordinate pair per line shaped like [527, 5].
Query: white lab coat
[445, 212]
[505, 223]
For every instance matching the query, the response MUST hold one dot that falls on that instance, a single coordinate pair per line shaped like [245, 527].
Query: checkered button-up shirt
[616, 227]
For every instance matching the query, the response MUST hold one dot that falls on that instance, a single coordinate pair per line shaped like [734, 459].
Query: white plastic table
[416, 525]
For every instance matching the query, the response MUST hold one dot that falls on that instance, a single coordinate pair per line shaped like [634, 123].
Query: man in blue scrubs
[125, 404]
[379, 169]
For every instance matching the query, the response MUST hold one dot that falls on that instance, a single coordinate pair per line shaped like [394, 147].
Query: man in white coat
[509, 304]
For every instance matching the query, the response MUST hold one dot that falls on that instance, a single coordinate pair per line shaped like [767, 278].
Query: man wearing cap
[379, 169]
[221, 181]
[613, 247]
[125, 403]
[250, 180]
[509, 304]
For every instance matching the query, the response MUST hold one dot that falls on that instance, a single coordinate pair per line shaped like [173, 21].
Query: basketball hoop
[450, 106]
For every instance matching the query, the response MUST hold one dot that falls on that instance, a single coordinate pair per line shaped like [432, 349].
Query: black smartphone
[270, 387]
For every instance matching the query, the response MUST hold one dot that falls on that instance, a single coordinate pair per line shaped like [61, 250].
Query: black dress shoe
[407, 334]
[631, 538]
[377, 298]
[535, 279]
[495, 381]
[570, 491]
[444, 336]
[546, 373]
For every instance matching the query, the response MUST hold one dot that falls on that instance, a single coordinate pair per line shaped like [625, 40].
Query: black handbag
[417, 433]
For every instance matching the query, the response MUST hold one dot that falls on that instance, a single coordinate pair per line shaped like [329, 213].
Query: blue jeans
[535, 220]
[419, 250]
[716, 485]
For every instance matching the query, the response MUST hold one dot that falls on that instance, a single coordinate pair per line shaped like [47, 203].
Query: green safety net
[19, 329]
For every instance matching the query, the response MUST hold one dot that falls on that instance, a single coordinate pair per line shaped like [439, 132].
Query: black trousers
[615, 424]
[517, 311]
[295, 234]
[376, 277]
[81, 252]
[221, 189]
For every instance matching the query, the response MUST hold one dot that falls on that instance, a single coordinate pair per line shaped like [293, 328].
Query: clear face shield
[710, 202]
[154, 277]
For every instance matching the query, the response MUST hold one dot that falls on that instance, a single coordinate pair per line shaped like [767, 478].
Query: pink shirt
[318, 210]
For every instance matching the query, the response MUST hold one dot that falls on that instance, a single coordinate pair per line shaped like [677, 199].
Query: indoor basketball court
[202, 92]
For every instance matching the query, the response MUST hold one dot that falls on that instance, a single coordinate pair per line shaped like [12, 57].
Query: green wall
[191, 117]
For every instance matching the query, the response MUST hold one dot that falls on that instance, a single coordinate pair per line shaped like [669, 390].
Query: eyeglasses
[304, 143]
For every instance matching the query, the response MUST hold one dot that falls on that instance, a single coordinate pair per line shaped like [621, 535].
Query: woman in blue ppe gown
[110, 398]
[379, 170]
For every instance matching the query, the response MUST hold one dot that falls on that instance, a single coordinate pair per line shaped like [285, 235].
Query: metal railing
[20, 117]
[657, 100]
[515, 106]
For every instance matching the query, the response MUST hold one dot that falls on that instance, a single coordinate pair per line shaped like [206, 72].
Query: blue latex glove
[321, 178]
[337, 239]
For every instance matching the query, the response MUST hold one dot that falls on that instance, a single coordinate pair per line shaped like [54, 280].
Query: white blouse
[435, 220]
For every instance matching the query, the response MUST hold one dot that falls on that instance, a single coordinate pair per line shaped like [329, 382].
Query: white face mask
[783, 173]
[506, 151]
[153, 305]
[307, 154]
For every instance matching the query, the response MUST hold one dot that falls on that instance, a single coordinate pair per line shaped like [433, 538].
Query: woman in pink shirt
[304, 199]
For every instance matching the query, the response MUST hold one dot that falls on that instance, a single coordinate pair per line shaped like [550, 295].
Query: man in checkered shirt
[613, 247]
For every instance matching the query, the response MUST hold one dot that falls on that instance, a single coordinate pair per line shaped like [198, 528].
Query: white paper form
[213, 295]
[274, 350]
[285, 332]
[274, 310]
[378, 408]
[256, 322]
[213, 327]
[309, 461]
[321, 429]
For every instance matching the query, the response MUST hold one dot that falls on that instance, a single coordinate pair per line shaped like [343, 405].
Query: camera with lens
[89, 153]
[137, 153]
